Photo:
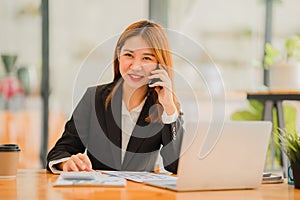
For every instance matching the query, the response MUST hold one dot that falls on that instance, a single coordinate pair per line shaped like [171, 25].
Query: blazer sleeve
[171, 139]
[76, 131]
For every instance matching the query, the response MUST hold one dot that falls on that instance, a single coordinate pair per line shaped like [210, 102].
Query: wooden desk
[37, 184]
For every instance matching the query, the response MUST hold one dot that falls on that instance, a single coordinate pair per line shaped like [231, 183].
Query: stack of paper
[140, 176]
[88, 179]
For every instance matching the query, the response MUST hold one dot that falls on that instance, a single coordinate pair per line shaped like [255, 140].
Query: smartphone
[154, 80]
[267, 174]
[273, 178]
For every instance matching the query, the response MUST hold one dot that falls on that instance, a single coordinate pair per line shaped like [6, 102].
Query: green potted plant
[290, 145]
[284, 66]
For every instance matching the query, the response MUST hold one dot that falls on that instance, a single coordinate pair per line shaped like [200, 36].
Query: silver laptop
[219, 156]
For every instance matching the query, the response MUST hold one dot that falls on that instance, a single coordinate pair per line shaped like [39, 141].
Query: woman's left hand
[163, 89]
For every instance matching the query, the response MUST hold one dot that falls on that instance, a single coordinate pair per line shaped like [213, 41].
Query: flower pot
[285, 76]
[296, 174]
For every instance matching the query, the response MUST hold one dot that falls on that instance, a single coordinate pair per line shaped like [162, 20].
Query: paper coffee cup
[9, 157]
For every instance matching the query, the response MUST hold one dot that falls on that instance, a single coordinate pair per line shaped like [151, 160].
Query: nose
[136, 64]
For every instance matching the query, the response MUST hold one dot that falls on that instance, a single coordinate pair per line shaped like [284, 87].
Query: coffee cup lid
[9, 147]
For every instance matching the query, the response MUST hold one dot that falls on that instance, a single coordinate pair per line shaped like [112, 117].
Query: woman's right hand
[78, 162]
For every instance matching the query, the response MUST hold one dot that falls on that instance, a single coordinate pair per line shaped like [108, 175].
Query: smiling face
[136, 60]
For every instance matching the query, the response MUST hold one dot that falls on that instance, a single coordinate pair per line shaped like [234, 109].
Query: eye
[127, 54]
[148, 58]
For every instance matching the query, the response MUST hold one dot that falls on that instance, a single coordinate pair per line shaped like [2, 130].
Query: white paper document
[140, 176]
[89, 179]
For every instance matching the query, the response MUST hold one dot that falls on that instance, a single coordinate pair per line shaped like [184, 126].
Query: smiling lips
[135, 77]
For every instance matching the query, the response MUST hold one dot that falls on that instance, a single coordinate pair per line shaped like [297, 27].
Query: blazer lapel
[113, 124]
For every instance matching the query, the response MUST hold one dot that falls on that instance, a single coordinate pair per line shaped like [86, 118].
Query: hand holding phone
[154, 80]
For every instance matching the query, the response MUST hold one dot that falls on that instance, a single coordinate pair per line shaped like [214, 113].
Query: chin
[136, 85]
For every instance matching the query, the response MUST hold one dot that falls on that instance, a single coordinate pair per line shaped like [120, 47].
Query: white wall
[76, 28]
[233, 33]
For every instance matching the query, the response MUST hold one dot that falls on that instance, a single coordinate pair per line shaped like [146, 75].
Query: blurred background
[232, 36]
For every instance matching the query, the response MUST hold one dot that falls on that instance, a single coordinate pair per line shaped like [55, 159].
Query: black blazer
[97, 129]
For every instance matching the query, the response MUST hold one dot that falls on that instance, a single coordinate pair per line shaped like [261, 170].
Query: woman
[122, 125]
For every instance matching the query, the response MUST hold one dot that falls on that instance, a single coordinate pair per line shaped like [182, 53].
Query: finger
[158, 84]
[86, 160]
[154, 82]
[159, 76]
[160, 68]
[158, 89]
[79, 163]
[159, 71]
[70, 166]
[162, 82]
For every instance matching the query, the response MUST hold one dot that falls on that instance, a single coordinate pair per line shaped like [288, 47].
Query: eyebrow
[147, 54]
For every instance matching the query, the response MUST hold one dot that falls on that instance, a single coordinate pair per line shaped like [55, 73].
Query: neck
[133, 97]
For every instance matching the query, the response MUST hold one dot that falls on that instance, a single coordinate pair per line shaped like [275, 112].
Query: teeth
[136, 76]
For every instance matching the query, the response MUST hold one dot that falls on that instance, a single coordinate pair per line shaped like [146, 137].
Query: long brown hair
[156, 38]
